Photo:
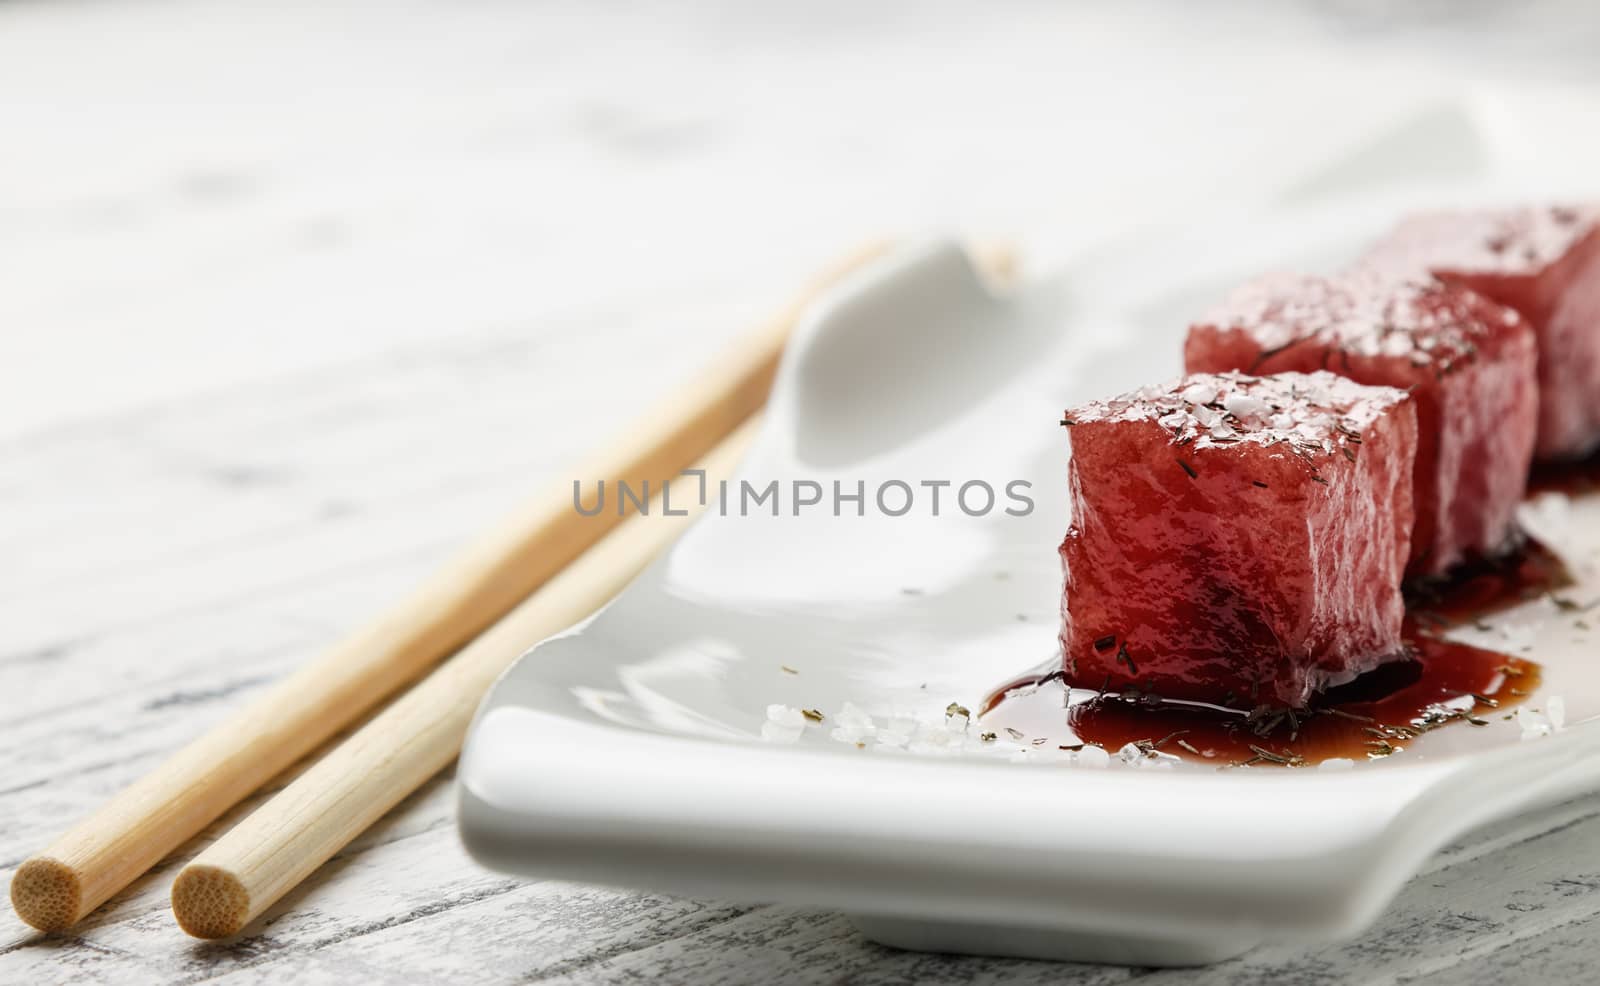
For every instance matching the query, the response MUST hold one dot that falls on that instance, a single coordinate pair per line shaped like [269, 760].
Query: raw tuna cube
[1468, 363]
[1545, 263]
[1237, 540]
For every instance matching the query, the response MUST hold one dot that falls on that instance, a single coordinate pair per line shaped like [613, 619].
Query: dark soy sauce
[1571, 478]
[1485, 587]
[1374, 716]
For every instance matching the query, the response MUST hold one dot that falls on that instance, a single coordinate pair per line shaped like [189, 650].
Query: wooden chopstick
[158, 813]
[285, 840]
[300, 828]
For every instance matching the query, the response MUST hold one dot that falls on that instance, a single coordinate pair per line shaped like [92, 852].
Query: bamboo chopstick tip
[152, 818]
[209, 901]
[47, 893]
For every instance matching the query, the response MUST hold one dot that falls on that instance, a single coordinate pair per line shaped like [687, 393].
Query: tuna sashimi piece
[1545, 263]
[1235, 539]
[1468, 363]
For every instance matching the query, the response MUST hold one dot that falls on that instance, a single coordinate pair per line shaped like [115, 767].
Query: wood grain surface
[298, 298]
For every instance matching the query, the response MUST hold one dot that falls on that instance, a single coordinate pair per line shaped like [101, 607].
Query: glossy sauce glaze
[1379, 714]
[1375, 716]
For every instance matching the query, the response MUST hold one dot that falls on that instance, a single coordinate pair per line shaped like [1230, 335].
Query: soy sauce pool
[1486, 587]
[1380, 714]
[1375, 716]
[1572, 478]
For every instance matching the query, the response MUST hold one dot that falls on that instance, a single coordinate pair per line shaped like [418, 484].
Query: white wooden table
[295, 298]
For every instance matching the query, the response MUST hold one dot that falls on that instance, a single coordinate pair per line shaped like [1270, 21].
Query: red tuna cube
[1545, 263]
[1237, 540]
[1468, 363]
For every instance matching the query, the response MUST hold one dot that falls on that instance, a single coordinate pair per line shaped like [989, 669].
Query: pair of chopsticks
[285, 840]
[547, 569]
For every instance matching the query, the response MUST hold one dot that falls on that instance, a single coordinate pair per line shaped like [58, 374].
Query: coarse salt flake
[1555, 709]
[1094, 756]
[776, 732]
[1245, 407]
[787, 716]
[1534, 725]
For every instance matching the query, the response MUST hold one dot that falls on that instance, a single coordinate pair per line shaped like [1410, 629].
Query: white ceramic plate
[630, 751]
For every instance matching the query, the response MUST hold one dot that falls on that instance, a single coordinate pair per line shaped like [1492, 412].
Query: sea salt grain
[935, 738]
[902, 721]
[892, 738]
[786, 716]
[852, 736]
[853, 725]
[932, 732]
[1461, 703]
[1534, 725]
[1244, 407]
[851, 714]
[1094, 756]
[777, 732]
[978, 746]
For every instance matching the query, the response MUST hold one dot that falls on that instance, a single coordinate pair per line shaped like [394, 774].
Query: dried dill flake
[1124, 658]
